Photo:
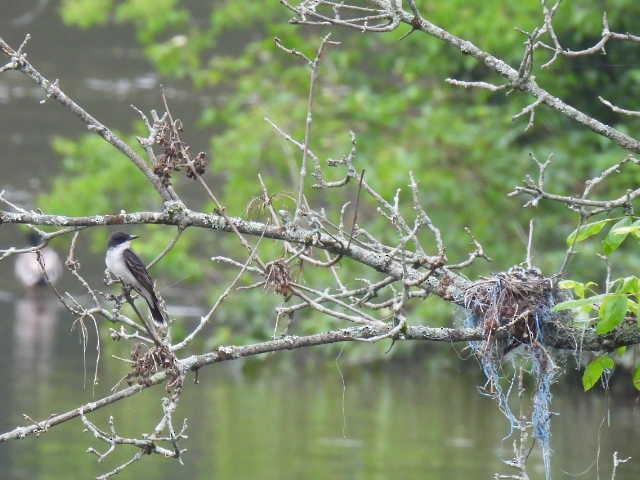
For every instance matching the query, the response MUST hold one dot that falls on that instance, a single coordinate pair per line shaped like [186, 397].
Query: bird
[28, 270]
[126, 266]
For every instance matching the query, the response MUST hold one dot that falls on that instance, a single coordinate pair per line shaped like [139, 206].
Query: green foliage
[612, 307]
[624, 294]
[594, 370]
[616, 235]
[629, 285]
[636, 378]
[97, 178]
[586, 304]
[462, 145]
[100, 179]
[85, 13]
[587, 231]
[152, 17]
[621, 351]
[579, 289]
[611, 313]
[633, 229]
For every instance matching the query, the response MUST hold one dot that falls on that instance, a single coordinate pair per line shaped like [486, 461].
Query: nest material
[155, 359]
[511, 306]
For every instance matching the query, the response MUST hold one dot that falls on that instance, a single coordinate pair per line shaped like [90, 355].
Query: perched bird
[28, 269]
[125, 265]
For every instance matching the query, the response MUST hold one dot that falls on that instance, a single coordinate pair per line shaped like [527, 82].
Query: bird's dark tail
[156, 313]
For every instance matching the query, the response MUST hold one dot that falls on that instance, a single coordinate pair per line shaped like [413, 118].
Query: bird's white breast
[115, 263]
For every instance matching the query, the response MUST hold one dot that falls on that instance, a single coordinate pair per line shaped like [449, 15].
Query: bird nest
[511, 306]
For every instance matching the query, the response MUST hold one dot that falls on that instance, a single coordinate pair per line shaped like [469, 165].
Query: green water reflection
[419, 419]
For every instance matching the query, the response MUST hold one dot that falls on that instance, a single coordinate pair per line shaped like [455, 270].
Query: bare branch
[485, 85]
[631, 113]
[226, 353]
[206, 318]
[527, 84]
[289, 233]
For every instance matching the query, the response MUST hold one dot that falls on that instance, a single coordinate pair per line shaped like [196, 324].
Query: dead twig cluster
[147, 361]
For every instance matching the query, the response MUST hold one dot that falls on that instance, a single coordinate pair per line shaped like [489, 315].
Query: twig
[166, 249]
[53, 90]
[206, 318]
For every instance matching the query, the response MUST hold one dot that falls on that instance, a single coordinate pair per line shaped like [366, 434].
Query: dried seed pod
[278, 278]
[198, 166]
[175, 154]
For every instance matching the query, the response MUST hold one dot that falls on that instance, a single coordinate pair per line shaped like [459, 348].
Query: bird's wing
[139, 271]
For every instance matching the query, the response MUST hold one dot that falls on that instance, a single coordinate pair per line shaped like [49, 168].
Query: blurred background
[353, 411]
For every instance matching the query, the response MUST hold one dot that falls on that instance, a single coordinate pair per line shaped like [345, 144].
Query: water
[412, 419]
[409, 419]
[101, 69]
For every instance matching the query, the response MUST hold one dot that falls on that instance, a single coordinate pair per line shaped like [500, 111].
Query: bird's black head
[118, 238]
[34, 238]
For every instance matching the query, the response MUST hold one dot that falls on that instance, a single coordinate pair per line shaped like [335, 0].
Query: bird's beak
[133, 237]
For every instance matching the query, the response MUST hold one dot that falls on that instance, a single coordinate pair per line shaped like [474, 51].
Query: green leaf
[636, 378]
[633, 307]
[582, 302]
[567, 284]
[612, 312]
[627, 230]
[589, 286]
[621, 350]
[614, 238]
[587, 231]
[630, 285]
[634, 229]
[579, 289]
[594, 371]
